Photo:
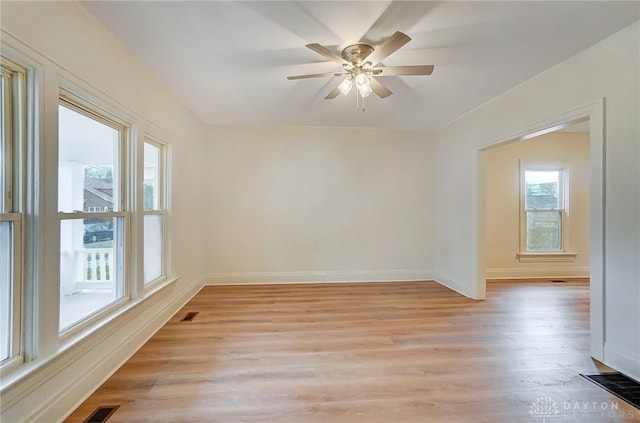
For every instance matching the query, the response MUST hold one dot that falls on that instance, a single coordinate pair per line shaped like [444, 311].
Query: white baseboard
[67, 380]
[536, 272]
[455, 286]
[264, 278]
[253, 278]
[622, 360]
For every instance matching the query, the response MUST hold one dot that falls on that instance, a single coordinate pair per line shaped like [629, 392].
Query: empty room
[320, 211]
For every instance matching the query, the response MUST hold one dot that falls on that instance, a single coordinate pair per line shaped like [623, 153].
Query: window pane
[152, 247]
[544, 230]
[6, 276]
[151, 177]
[87, 163]
[542, 189]
[89, 267]
[4, 121]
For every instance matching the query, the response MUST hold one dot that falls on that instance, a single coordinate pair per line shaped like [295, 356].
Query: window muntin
[12, 131]
[154, 211]
[544, 209]
[92, 221]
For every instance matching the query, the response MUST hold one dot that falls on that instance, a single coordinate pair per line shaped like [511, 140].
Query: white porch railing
[94, 268]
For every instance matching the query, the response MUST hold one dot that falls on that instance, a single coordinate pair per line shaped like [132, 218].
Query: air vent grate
[102, 414]
[619, 385]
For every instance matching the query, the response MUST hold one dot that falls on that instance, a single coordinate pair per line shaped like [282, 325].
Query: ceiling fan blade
[380, 90]
[323, 51]
[314, 75]
[333, 94]
[403, 70]
[393, 43]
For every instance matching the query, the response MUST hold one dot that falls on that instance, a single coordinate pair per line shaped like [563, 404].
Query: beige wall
[502, 182]
[319, 204]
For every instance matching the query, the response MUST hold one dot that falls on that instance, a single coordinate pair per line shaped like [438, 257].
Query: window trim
[563, 253]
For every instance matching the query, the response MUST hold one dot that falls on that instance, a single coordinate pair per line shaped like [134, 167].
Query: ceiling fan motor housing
[356, 53]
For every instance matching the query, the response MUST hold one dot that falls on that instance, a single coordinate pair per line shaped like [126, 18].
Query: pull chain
[358, 97]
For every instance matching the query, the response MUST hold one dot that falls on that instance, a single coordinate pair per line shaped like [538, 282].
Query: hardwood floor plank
[377, 352]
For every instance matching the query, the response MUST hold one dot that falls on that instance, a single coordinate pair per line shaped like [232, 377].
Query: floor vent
[190, 316]
[102, 414]
[619, 385]
[558, 280]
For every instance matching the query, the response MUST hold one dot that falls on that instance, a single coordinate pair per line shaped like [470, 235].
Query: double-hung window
[12, 138]
[76, 254]
[154, 202]
[544, 219]
[92, 210]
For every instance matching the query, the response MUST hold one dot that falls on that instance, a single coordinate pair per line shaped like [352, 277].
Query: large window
[544, 209]
[12, 121]
[92, 211]
[154, 210]
[83, 231]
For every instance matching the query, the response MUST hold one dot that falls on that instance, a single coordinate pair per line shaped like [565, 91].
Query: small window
[154, 210]
[12, 132]
[544, 209]
[91, 204]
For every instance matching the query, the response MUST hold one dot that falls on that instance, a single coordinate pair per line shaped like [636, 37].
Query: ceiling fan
[361, 65]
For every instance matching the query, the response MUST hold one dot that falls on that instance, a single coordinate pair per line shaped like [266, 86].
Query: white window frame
[38, 260]
[562, 253]
[78, 103]
[162, 205]
[13, 142]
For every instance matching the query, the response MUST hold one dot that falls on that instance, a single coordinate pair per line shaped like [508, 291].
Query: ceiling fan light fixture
[365, 90]
[363, 84]
[345, 86]
[361, 79]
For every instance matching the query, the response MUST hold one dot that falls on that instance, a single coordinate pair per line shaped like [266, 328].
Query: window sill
[546, 257]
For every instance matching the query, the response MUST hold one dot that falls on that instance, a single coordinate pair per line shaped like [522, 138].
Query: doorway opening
[558, 235]
[537, 206]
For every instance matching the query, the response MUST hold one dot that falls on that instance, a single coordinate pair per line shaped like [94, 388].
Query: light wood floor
[379, 352]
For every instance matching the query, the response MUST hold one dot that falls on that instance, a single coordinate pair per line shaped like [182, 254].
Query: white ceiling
[228, 61]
